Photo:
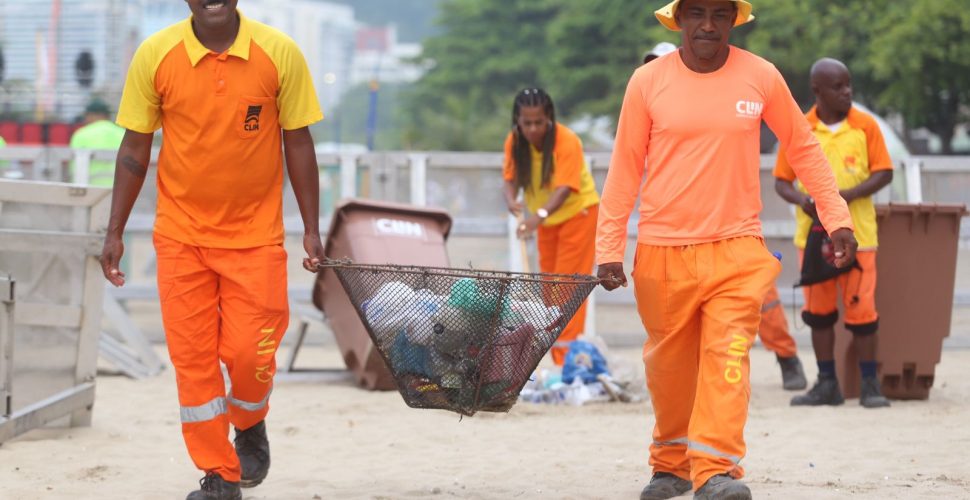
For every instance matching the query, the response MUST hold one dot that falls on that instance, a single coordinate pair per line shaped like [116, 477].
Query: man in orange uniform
[773, 329]
[702, 271]
[774, 334]
[221, 87]
[860, 161]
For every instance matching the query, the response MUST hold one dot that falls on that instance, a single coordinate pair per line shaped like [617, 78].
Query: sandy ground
[332, 440]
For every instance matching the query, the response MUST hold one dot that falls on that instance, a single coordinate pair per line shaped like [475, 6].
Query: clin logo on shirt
[251, 124]
[749, 109]
[850, 163]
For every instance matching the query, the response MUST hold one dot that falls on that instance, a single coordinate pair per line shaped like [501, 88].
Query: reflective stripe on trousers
[770, 305]
[203, 413]
[217, 406]
[672, 442]
[246, 405]
[694, 445]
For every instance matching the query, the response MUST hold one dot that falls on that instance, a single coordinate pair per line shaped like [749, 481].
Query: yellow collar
[239, 47]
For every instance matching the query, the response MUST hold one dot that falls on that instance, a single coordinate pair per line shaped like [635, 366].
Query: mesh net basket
[459, 339]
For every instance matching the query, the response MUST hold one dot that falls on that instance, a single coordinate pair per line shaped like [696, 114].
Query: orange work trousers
[569, 248]
[858, 288]
[227, 305]
[773, 330]
[700, 305]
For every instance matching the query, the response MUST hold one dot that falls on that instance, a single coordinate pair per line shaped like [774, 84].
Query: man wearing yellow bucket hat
[773, 329]
[701, 270]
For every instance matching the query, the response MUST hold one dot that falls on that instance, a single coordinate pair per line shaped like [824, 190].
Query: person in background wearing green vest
[3, 163]
[98, 132]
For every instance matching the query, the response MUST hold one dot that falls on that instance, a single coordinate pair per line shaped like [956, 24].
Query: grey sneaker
[723, 487]
[213, 487]
[252, 448]
[792, 374]
[664, 485]
[825, 392]
[870, 395]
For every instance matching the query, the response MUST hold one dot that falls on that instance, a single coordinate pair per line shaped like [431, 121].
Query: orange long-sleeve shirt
[700, 135]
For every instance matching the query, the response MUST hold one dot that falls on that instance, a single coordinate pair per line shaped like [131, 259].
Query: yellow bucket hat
[665, 14]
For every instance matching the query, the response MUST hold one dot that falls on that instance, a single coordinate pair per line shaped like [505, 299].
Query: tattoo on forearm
[134, 166]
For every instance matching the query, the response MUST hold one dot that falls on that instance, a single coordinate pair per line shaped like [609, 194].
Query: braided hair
[532, 97]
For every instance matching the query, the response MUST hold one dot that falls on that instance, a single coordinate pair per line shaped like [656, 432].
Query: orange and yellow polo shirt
[855, 150]
[569, 169]
[220, 170]
[700, 136]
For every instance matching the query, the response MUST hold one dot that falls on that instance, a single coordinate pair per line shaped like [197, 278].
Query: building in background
[58, 53]
[157, 14]
[379, 56]
[325, 33]
[323, 30]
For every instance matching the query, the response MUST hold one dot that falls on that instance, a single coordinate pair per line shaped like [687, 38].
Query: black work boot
[665, 485]
[792, 374]
[825, 392]
[723, 487]
[213, 487]
[252, 447]
[870, 395]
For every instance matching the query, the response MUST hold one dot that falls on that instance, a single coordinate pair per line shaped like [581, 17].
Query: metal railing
[468, 185]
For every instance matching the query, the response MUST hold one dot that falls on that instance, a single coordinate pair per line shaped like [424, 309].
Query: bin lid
[916, 208]
[345, 206]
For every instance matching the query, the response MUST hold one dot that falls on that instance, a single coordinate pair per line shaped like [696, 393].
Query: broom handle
[523, 251]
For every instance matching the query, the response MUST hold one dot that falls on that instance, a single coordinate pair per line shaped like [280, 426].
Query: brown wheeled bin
[373, 232]
[916, 266]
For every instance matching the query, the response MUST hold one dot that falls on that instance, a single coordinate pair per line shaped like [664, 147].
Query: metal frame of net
[462, 340]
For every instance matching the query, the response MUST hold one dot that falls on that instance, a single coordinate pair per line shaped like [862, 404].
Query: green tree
[348, 123]
[594, 47]
[911, 58]
[413, 18]
[488, 49]
[921, 53]
[793, 35]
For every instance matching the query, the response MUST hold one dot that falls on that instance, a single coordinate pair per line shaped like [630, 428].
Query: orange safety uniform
[854, 150]
[773, 330]
[218, 225]
[566, 237]
[702, 271]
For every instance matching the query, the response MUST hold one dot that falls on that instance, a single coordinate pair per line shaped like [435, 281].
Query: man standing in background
[857, 153]
[774, 334]
[661, 49]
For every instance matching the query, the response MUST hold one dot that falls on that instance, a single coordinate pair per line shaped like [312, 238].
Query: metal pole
[589, 329]
[914, 183]
[82, 166]
[515, 256]
[372, 115]
[419, 178]
[6, 345]
[348, 176]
